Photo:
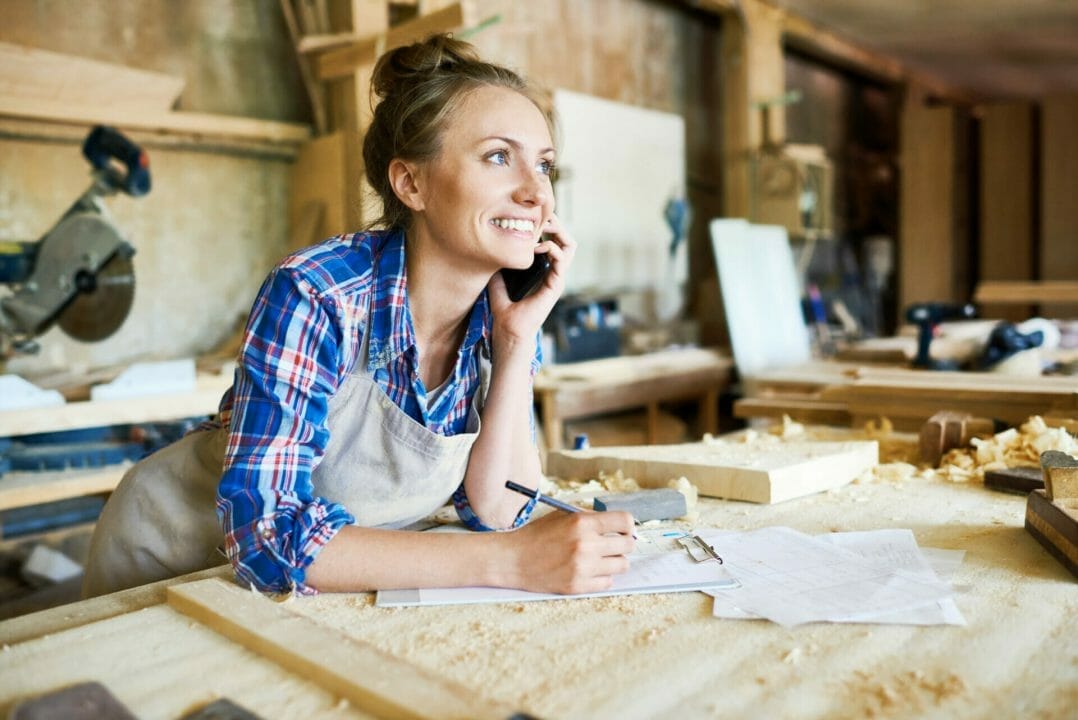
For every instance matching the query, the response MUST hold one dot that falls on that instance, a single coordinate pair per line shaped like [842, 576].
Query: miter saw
[78, 276]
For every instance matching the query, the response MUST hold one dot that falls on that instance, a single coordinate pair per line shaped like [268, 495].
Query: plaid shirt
[302, 340]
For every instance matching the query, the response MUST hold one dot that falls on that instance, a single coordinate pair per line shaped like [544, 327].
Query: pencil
[540, 497]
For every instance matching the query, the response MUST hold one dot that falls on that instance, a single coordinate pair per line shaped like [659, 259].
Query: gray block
[660, 504]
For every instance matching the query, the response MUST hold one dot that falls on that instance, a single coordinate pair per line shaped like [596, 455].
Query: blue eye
[547, 167]
[499, 157]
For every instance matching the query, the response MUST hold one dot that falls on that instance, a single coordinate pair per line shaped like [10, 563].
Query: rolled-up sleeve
[289, 366]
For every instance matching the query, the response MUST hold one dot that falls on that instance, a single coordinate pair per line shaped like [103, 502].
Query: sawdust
[912, 692]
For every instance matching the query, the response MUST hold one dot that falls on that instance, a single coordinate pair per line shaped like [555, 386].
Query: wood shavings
[789, 429]
[1011, 448]
[792, 657]
[908, 692]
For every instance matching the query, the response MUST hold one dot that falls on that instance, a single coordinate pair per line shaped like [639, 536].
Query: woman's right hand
[572, 553]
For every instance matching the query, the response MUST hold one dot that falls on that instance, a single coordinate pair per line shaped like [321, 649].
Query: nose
[533, 189]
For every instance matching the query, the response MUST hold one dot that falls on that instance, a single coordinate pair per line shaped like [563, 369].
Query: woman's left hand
[522, 320]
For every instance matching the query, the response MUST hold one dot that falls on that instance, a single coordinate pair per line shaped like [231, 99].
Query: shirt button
[267, 534]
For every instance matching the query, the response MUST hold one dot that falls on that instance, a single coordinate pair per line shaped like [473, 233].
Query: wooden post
[752, 72]
[1007, 242]
[1059, 186]
[926, 202]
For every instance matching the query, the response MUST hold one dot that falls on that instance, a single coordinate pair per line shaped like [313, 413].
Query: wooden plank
[1007, 224]
[1025, 293]
[804, 410]
[58, 619]
[1059, 183]
[34, 74]
[20, 489]
[926, 204]
[767, 474]
[129, 119]
[372, 680]
[318, 175]
[342, 62]
[314, 89]
[72, 416]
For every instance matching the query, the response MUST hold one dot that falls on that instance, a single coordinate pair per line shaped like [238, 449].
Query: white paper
[652, 569]
[792, 578]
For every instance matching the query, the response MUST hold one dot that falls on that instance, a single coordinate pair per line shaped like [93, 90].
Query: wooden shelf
[151, 408]
[20, 489]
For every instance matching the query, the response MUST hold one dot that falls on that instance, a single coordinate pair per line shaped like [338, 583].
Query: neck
[441, 292]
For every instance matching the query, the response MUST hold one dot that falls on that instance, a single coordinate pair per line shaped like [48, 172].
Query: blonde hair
[419, 86]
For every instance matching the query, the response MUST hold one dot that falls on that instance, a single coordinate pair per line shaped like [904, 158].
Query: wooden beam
[186, 122]
[1059, 187]
[926, 203]
[314, 89]
[1006, 207]
[35, 74]
[373, 681]
[1027, 293]
[343, 61]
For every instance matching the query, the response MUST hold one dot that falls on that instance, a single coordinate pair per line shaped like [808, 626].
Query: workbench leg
[552, 427]
[653, 423]
[709, 412]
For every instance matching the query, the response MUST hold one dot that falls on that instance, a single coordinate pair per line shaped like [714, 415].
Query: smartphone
[521, 283]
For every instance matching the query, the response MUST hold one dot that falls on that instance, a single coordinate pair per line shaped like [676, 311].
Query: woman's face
[487, 195]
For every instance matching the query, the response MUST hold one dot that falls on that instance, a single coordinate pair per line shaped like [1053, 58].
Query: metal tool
[79, 275]
[698, 550]
[927, 316]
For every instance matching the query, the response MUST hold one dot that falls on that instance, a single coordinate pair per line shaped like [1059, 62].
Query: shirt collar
[392, 331]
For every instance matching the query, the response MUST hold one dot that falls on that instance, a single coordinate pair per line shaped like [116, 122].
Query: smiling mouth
[527, 226]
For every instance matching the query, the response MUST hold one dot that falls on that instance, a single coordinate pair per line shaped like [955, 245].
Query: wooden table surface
[632, 657]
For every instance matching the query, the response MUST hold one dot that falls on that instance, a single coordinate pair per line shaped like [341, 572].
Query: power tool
[78, 276]
[927, 316]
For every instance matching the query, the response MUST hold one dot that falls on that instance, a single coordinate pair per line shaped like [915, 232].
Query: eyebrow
[515, 143]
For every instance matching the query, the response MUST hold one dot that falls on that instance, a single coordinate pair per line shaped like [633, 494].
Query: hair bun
[435, 54]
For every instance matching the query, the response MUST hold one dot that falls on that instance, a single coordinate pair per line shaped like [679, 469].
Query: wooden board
[1054, 524]
[727, 470]
[203, 401]
[34, 74]
[20, 489]
[372, 680]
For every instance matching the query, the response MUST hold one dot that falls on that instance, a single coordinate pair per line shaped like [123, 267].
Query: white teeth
[518, 225]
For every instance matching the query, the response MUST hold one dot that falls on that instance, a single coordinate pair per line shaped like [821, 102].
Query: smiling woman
[386, 372]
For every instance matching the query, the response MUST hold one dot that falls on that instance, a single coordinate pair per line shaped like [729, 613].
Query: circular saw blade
[102, 304]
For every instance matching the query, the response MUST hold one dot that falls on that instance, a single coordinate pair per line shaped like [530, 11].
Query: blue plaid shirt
[302, 340]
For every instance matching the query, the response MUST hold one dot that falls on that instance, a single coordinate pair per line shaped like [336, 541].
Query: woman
[385, 372]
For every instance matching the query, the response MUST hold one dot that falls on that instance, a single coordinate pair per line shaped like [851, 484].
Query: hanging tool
[78, 276]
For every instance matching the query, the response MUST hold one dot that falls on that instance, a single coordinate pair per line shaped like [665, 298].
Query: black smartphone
[520, 283]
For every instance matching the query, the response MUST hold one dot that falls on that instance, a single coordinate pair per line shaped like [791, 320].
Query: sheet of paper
[792, 578]
[653, 569]
[889, 549]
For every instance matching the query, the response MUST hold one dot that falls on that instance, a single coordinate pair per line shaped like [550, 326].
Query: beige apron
[384, 467]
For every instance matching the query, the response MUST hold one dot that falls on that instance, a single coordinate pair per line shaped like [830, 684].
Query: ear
[406, 180]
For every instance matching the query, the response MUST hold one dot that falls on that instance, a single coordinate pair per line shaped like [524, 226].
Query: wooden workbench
[848, 393]
[593, 387]
[632, 657]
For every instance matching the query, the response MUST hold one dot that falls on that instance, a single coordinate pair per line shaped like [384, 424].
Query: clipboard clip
[698, 550]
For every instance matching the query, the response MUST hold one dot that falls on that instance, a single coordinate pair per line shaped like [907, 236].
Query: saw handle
[104, 144]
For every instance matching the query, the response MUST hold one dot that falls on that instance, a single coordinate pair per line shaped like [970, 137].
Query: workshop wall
[214, 222]
[216, 219]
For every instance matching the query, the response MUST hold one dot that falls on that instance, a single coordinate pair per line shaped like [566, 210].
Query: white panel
[620, 164]
[761, 295]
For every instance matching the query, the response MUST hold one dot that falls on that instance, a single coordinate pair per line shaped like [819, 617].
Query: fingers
[614, 521]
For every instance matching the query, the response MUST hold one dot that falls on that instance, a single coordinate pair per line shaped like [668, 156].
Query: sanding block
[659, 504]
